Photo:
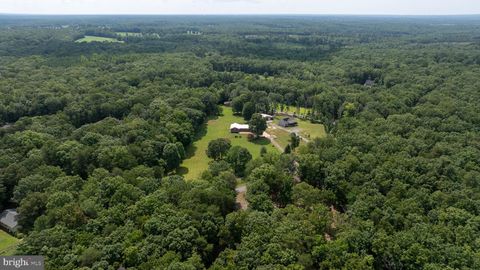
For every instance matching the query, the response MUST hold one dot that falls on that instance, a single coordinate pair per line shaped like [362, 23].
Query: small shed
[237, 128]
[288, 122]
[9, 220]
[369, 82]
[267, 116]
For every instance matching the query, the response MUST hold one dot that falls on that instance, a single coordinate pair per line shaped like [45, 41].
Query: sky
[369, 7]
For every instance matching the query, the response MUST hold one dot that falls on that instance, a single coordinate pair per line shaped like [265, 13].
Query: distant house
[6, 126]
[195, 33]
[237, 128]
[9, 220]
[267, 116]
[288, 122]
[227, 103]
[369, 82]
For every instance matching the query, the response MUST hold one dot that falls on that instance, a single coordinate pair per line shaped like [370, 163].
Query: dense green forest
[92, 135]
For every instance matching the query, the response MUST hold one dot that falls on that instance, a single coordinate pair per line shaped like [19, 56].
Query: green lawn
[282, 137]
[8, 244]
[310, 130]
[88, 39]
[197, 160]
[306, 129]
[293, 109]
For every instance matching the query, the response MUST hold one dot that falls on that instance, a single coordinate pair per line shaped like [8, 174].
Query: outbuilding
[237, 128]
[288, 122]
[267, 117]
[9, 220]
[369, 82]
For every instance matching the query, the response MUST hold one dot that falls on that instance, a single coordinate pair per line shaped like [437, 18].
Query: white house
[236, 128]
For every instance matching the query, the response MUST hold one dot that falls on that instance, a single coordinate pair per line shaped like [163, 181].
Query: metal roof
[8, 218]
[239, 126]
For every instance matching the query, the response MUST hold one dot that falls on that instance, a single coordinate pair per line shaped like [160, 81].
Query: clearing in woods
[88, 39]
[219, 127]
[291, 109]
[309, 130]
[305, 129]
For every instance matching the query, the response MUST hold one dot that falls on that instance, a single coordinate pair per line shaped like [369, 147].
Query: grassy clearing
[311, 131]
[282, 137]
[8, 244]
[293, 109]
[197, 160]
[89, 39]
[305, 128]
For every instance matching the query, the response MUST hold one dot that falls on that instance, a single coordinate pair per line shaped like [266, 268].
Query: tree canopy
[92, 137]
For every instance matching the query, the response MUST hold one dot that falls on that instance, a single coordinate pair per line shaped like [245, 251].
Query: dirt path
[273, 141]
[241, 200]
[296, 175]
[335, 221]
[291, 130]
[335, 217]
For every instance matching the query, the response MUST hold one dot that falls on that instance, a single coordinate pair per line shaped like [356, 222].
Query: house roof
[8, 218]
[289, 120]
[239, 126]
[369, 82]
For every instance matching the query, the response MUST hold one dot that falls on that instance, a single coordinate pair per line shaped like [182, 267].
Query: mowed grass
[8, 244]
[282, 137]
[293, 109]
[305, 128]
[310, 130]
[197, 160]
[88, 39]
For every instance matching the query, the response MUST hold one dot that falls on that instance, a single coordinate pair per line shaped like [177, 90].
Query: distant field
[197, 160]
[293, 109]
[89, 39]
[129, 34]
[8, 244]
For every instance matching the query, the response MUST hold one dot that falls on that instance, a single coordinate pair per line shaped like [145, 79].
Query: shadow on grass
[261, 141]
[202, 132]
[182, 171]
[190, 151]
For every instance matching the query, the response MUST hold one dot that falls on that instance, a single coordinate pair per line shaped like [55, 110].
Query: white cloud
[428, 7]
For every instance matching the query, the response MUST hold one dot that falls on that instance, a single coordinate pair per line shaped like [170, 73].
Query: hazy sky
[410, 7]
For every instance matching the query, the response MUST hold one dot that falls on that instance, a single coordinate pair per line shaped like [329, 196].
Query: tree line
[91, 136]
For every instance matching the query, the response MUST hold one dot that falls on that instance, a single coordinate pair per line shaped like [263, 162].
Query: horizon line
[241, 14]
